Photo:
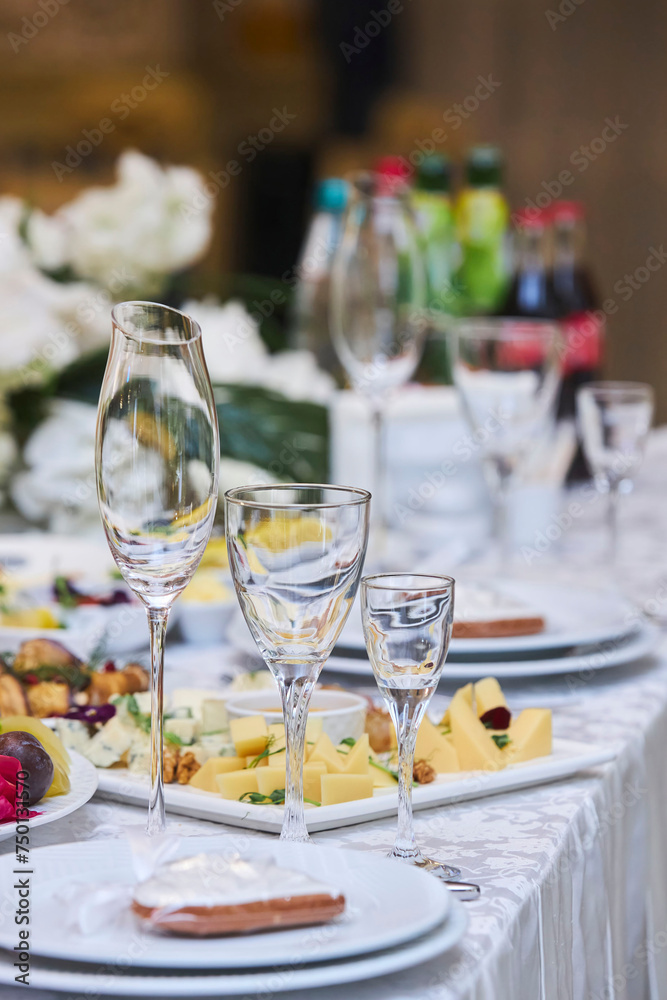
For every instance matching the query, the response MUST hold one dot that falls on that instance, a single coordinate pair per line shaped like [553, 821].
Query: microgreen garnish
[276, 798]
[500, 739]
[266, 752]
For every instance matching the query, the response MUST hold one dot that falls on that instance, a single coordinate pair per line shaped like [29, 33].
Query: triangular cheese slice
[474, 746]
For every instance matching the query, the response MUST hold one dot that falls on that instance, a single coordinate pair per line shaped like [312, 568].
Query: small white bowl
[204, 623]
[343, 714]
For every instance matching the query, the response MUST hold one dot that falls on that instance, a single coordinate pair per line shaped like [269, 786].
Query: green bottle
[481, 219]
[432, 206]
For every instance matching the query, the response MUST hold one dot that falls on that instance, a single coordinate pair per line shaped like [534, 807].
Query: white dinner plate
[77, 979]
[575, 616]
[613, 653]
[568, 757]
[387, 904]
[83, 780]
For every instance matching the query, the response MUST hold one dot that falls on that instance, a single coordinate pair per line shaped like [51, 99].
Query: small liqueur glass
[614, 421]
[407, 620]
[156, 461]
[296, 552]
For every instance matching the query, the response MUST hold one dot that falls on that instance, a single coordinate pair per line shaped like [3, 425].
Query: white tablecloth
[574, 874]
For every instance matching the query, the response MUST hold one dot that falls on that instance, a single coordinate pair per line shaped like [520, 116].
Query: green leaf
[173, 738]
[501, 740]
[348, 741]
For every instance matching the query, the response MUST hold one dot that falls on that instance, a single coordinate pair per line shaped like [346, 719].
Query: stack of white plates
[396, 917]
[585, 630]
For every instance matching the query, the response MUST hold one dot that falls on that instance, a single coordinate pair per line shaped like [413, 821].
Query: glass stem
[612, 522]
[502, 526]
[407, 717]
[380, 472]
[157, 622]
[295, 695]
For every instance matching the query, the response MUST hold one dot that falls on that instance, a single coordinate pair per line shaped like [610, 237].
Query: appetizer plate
[83, 779]
[387, 905]
[575, 616]
[76, 978]
[612, 653]
[568, 757]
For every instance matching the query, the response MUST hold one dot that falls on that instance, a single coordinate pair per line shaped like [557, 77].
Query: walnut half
[423, 773]
[171, 755]
[187, 766]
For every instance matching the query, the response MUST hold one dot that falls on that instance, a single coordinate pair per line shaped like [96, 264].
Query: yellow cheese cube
[356, 761]
[278, 759]
[436, 749]
[530, 735]
[345, 788]
[475, 749]
[249, 735]
[464, 692]
[313, 728]
[488, 695]
[234, 784]
[207, 773]
[277, 731]
[325, 751]
[271, 778]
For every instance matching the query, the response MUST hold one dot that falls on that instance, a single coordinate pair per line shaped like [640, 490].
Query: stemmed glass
[296, 552]
[157, 454]
[407, 621]
[508, 373]
[378, 294]
[614, 421]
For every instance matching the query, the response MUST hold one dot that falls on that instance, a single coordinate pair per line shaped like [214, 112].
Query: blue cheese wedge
[109, 744]
[74, 734]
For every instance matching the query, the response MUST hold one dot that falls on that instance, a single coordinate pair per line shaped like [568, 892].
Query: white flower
[130, 236]
[46, 238]
[236, 353]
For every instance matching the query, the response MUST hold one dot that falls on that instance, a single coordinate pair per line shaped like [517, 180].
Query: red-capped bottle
[531, 292]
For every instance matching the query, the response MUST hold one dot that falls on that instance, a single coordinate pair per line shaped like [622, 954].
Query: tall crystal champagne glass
[407, 620]
[378, 295]
[614, 421]
[508, 374]
[157, 455]
[296, 552]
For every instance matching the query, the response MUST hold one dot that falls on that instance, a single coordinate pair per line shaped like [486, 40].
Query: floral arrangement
[59, 276]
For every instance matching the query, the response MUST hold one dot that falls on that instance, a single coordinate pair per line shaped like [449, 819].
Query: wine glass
[614, 421]
[508, 373]
[296, 552]
[378, 294]
[156, 458]
[407, 620]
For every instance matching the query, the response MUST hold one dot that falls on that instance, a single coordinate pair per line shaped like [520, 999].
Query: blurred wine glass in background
[508, 373]
[614, 421]
[378, 295]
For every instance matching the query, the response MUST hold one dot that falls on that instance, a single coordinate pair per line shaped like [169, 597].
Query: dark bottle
[583, 322]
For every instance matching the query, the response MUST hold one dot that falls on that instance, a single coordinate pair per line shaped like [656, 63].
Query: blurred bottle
[310, 317]
[578, 305]
[481, 218]
[394, 174]
[531, 291]
[432, 205]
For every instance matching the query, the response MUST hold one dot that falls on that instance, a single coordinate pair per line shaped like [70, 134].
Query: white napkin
[90, 907]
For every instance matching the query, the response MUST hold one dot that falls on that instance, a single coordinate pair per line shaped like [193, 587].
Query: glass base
[417, 859]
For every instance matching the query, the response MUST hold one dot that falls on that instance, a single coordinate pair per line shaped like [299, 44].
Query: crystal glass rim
[374, 580]
[234, 496]
[506, 328]
[617, 388]
[187, 325]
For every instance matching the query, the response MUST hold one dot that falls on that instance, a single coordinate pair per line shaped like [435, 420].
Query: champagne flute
[407, 620]
[614, 421]
[508, 373]
[296, 552]
[157, 455]
[378, 294]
